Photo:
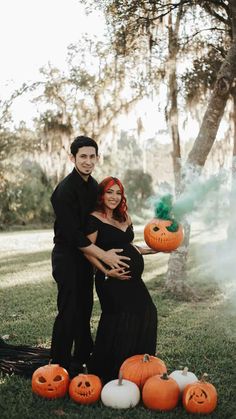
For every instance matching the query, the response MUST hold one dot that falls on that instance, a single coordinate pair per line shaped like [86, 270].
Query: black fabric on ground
[22, 360]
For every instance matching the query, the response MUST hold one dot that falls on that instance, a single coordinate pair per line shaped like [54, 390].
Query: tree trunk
[172, 116]
[176, 275]
[234, 147]
[232, 208]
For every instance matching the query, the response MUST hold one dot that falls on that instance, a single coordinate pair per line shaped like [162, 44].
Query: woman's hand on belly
[119, 273]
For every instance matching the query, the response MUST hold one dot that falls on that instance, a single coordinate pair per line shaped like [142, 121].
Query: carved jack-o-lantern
[50, 381]
[200, 397]
[85, 388]
[159, 235]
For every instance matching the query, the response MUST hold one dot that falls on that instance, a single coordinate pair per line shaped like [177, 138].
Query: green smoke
[163, 207]
[195, 196]
[192, 199]
[163, 210]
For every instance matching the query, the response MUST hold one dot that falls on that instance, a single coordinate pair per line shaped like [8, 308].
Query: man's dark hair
[82, 141]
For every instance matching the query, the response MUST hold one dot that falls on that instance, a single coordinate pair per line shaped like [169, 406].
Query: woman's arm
[145, 250]
[141, 249]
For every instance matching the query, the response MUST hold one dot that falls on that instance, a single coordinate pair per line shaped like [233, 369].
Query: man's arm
[68, 220]
[109, 257]
[116, 273]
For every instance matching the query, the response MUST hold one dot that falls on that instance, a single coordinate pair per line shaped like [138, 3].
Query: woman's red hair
[120, 212]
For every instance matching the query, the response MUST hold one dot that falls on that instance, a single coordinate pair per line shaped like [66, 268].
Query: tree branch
[213, 13]
[167, 8]
[8, 103]
[202, 30]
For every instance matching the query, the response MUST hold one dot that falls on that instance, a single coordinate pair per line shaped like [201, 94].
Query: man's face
[85, 160]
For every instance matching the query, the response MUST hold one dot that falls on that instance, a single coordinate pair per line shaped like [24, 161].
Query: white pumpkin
[120, 394]
[183, 377]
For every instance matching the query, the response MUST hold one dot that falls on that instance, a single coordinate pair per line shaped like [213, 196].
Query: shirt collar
[79, 178]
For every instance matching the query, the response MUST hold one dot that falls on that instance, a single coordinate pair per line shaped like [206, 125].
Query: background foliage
[109, 81]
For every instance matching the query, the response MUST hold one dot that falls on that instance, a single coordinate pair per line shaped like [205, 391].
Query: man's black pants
[74, 277]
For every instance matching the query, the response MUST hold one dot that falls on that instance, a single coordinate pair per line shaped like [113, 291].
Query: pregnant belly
[130, 295]
[136, 264]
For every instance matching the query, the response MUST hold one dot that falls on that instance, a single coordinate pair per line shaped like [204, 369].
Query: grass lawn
[199, 335]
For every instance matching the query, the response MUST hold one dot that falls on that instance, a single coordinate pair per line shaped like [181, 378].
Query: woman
[128, 323]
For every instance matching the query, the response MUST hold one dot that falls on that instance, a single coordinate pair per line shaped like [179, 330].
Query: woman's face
[112, 197]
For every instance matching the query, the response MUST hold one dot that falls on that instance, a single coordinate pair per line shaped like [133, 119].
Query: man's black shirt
[72, 201]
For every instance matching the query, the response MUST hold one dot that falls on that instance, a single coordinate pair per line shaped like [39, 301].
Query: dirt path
[37, 240]
[25, 242]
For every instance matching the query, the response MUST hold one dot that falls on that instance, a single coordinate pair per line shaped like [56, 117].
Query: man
[72, 201]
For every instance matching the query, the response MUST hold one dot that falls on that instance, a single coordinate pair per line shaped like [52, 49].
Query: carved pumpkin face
[158, 237]
[85, 388]
[50, 381]
[200, 397]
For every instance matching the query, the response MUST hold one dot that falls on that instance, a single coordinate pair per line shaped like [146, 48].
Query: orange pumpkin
[160, 392]
[85, 388]
[50, 381]
[200, 397]
[139, 368]
[158, 237]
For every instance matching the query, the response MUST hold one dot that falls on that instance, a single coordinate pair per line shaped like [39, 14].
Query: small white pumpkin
[120, 394]
[183, 377]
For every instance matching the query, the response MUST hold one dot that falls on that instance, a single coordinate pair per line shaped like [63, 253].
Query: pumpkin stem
[50, 361]
[85, 369]
[120, 379]
[185, 371]
[164, 376]
[146, 358]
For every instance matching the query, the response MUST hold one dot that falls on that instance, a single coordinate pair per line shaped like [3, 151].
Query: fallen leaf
[59, 412]
[5, 337]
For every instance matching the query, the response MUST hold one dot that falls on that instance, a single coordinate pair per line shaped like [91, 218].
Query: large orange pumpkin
[158, 236]
[85, 388]
[161, 392]
[139, 368]
[200, 397]
[50, 381]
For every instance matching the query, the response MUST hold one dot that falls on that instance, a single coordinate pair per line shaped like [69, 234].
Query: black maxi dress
[128, 322]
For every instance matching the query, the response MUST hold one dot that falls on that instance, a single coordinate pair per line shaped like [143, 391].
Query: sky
[34, 33]
[38, 31]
